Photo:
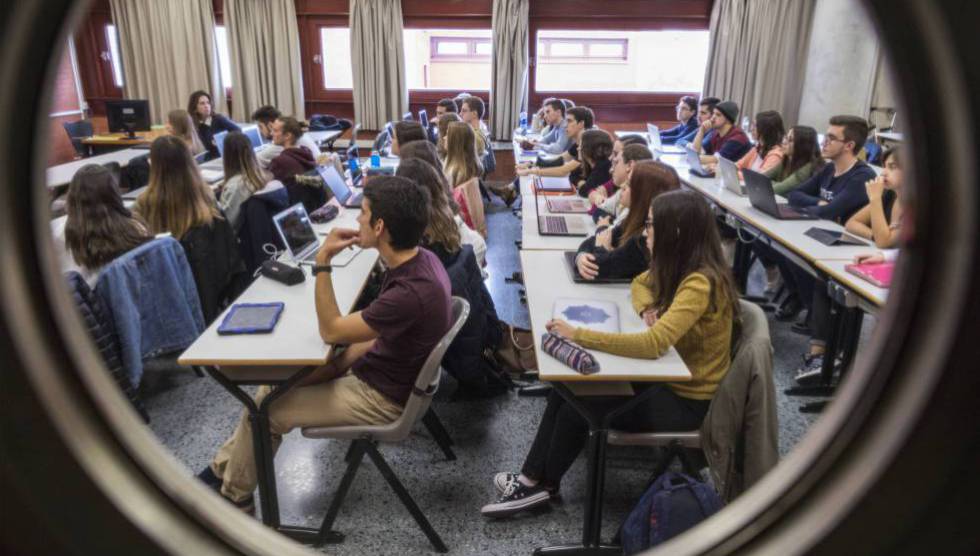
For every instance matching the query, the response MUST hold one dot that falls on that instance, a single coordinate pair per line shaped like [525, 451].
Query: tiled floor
[192, 416]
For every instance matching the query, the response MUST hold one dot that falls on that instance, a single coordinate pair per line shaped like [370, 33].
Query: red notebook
[878, 274]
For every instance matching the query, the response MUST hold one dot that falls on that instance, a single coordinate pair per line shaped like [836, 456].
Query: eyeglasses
[827, 139]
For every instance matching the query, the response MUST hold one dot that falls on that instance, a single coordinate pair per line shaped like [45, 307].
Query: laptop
[657, 145]
[219, 141]
[577, 278]
[338, 185]
[407, 116]
[729, 176]
[252, 133]
[694, 165]
[762, 197]
[573, 205]
[559, 225]
[424, 118]
[296, 231]
[553, 184]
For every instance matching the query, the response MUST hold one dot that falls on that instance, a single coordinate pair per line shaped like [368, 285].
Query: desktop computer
[128, 116]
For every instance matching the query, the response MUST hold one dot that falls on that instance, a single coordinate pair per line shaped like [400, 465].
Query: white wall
[841, 63]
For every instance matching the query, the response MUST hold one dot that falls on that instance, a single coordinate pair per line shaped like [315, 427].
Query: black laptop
[762, 197]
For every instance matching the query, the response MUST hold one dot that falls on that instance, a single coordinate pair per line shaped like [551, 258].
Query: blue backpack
[673, 504]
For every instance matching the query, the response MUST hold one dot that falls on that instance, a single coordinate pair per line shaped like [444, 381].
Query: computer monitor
[128, 116]
[407, 116]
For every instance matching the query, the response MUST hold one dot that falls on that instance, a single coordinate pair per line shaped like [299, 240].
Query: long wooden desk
[120, 139]
[545, 279]
[61, 175]
[283, 358]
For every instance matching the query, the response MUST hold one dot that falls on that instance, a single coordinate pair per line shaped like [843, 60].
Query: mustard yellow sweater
[702, 337]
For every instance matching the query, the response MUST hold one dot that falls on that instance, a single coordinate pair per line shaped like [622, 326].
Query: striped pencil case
[569, 353]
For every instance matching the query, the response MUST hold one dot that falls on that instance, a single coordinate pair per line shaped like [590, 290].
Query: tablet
[251, 318]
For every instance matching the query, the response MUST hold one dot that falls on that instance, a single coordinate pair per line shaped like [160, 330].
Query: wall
[66, 107]
[841, 63]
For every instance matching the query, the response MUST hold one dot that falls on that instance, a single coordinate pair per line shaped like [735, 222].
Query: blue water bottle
[375, 159]
[523, 121]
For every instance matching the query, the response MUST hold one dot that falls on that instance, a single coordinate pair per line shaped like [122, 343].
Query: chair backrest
[76, 132]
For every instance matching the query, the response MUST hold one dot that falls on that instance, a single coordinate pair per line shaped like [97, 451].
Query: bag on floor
[673, 504]
[515, 354]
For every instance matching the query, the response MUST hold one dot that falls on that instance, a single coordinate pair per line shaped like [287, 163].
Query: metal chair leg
[439, 433]
[355, 455]
[405, 497]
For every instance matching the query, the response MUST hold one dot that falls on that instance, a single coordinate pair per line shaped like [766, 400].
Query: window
[453, 59]
[224, 60]
[335, 58]
[641, 61]
[112, 39]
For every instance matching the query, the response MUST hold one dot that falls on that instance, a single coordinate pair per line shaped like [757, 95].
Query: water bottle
[523, 121]
[746, 125]
[375, 159]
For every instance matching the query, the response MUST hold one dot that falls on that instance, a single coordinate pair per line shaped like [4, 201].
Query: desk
[891, 136]
[282, 358]
[61, 175]
[120, 139]
[872, 298]
[544, 282]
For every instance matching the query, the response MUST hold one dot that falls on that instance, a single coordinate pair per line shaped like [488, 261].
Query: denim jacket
[152, 301]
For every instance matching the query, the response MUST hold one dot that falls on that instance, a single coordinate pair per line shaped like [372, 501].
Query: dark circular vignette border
[888, 469]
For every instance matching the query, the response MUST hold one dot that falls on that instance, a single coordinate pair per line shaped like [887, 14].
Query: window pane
[115, 60]
[454, 59]
[336, 62]
[224, 59]
[662, 61]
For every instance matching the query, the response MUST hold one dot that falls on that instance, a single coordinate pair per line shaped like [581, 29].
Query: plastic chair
[364, 439]
[77, 131]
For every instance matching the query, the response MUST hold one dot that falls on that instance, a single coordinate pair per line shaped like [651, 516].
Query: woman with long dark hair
[688, 301]
[768, 132]
[98, 227]
[243, 176]
[594, 153]
[441, 235]
[801, 159]
[208, 122]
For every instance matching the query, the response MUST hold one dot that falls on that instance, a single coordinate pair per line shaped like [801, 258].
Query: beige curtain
[263, 43]
[758, 52]
[168, 52]
[508, 88]
[378, 60]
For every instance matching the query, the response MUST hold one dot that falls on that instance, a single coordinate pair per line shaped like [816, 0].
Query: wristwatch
[318, 268]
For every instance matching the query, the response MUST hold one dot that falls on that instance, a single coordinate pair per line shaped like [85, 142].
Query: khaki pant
[345, 400]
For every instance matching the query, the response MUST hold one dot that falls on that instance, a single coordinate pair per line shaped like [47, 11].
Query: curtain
[757, 55]
[168, 52]
[508, 88]
[263, 43]
[378, 60]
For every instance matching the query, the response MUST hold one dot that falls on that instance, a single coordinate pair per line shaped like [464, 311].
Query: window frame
[586, 58]
[470, 56]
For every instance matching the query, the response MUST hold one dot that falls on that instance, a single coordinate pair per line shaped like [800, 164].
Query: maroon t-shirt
[412, 313]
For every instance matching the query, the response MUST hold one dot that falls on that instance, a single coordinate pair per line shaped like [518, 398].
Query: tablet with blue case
[251, 318]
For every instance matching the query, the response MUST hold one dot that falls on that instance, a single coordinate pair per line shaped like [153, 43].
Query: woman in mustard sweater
[688, 300]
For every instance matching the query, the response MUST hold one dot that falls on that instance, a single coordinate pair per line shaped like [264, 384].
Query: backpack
[673, 504]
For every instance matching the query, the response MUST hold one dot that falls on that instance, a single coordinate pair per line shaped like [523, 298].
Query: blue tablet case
[251, 318]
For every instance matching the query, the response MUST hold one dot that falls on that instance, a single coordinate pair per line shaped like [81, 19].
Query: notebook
[601, 316]
[553, 184]
[879, 274]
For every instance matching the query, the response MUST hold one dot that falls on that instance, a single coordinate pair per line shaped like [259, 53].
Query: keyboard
[554, 224]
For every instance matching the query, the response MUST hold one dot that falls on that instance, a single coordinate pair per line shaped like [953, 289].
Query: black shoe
[810, 374]
[208, 477]
[517, 498]
[789, 309]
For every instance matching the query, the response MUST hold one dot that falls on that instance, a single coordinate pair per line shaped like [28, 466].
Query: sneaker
[247, 505]
[208, 477]
[810, 373]
[515, 499]
[504, 481]
[774, 281]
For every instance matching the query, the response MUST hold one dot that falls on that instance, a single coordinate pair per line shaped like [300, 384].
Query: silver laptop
[567, 204]
[296, 231]
[338, 186]
[694, 164]
[657, 145]
[559, 225]
[728, 172]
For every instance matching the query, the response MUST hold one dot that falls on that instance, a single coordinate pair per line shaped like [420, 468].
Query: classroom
[477, 276]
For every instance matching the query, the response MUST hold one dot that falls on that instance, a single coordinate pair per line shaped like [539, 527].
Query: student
[620, 251]
[243, 176]
[706, 108]
[471, 110]
[445, 106]
[208, 123]
[538, 124]
[176, 199]
[688, 300]
[97, 227]
[577, 120]
[264, 118]
[404, 133]
[881, 218]
[555, 139]
[463, 169]
[727, 139]
[768, 132]
[426, 152]
[600, 195]
[370, 382]
[687, 127]
[801, 159]
[615, 208]
[292, 161]
[596, 148]
[441, 236]
[180, 124]
[443, 128]
[837, 190]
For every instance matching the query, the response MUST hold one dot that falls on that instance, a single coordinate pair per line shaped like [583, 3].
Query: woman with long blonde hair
[463, 169]
[176, 198]
[180, 124]
[442, 128]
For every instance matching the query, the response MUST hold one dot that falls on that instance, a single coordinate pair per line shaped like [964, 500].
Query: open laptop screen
[253, 136]
[336, 183]
[295, 228]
